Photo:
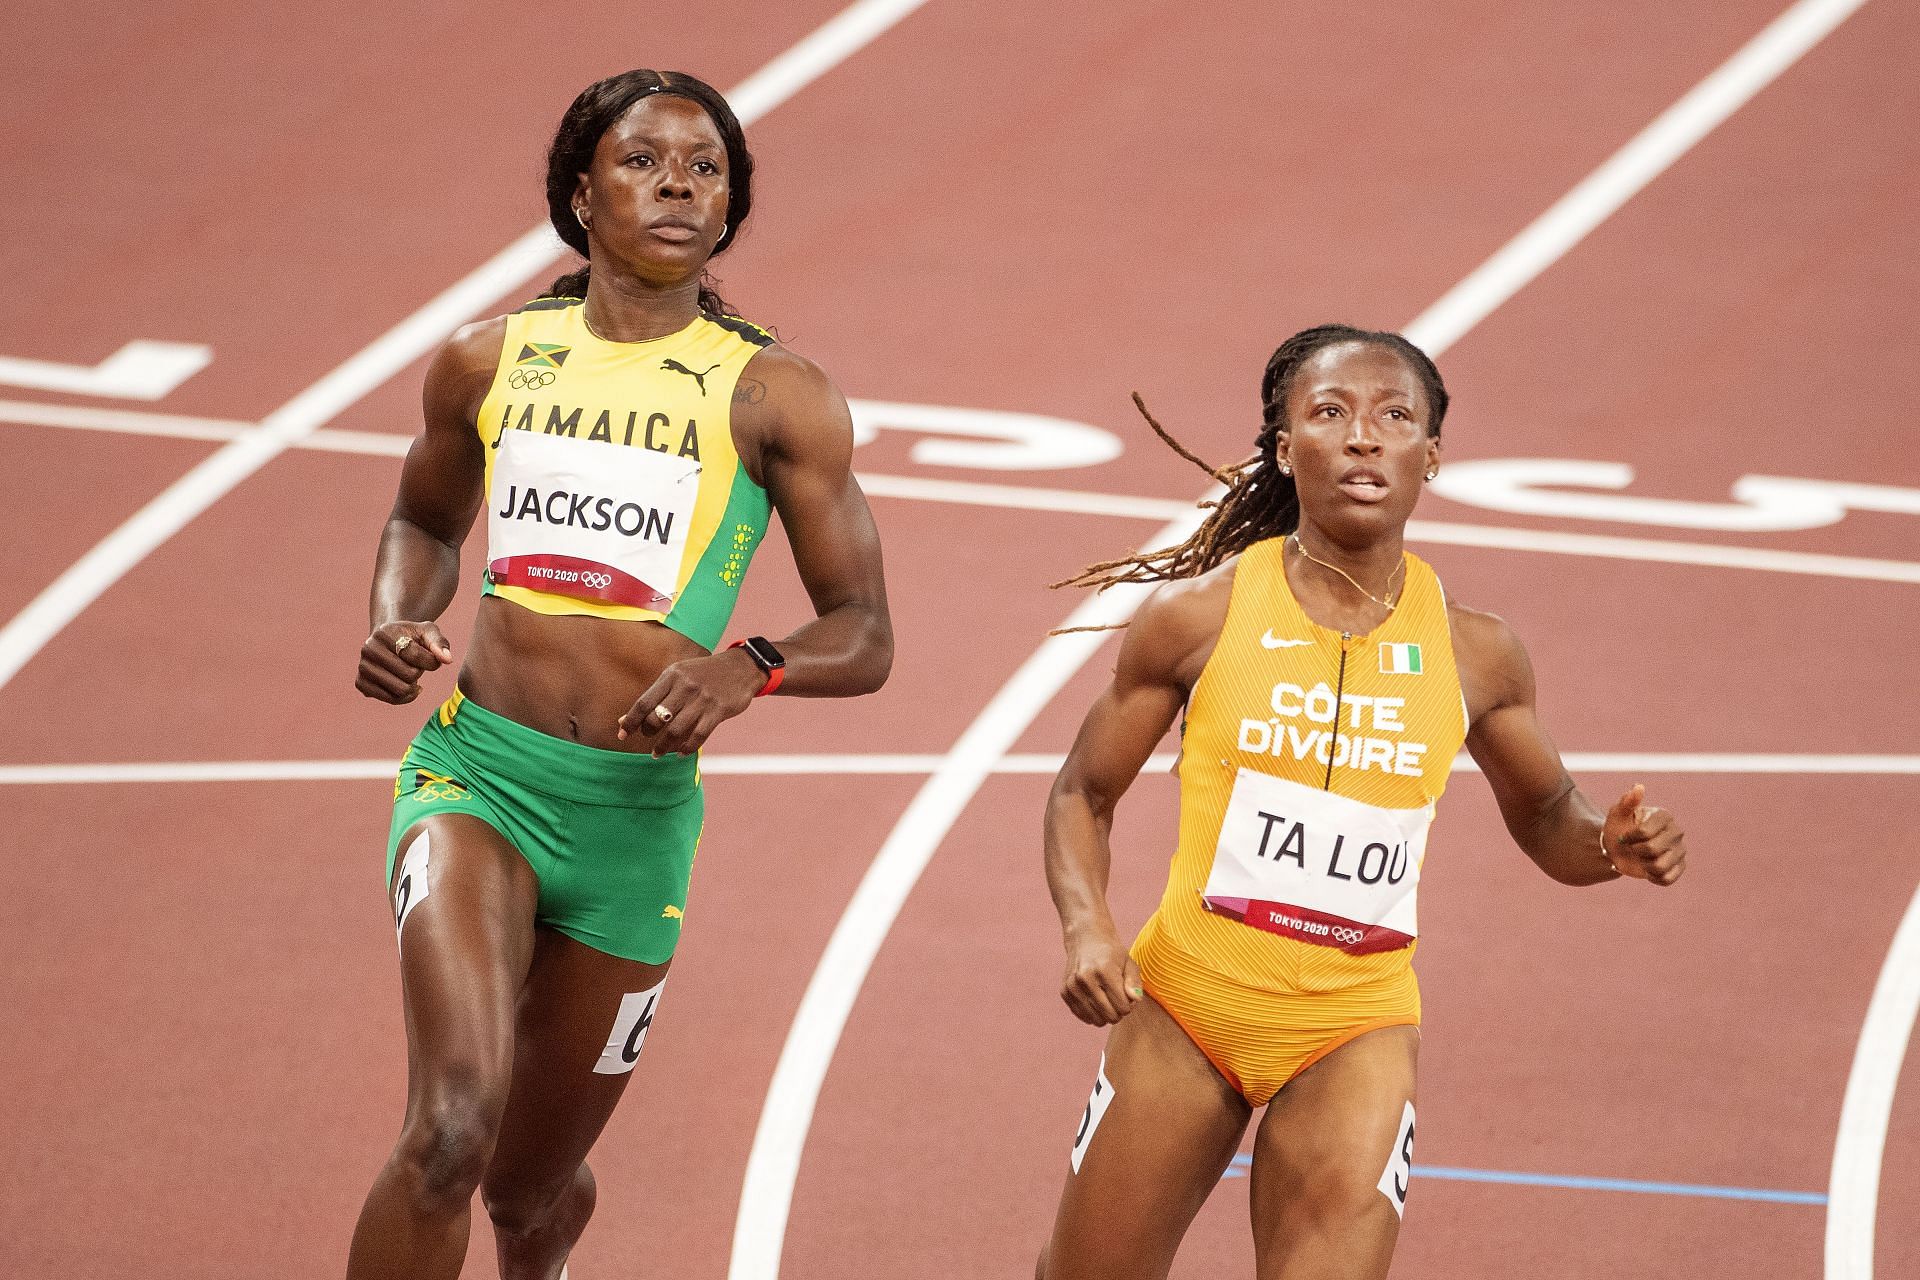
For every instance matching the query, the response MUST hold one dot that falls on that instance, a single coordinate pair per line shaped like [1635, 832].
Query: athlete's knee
[447, 1143]
[1334, 1203]
[518, 1207]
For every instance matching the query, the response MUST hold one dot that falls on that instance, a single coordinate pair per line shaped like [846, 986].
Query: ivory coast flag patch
[1399, 659]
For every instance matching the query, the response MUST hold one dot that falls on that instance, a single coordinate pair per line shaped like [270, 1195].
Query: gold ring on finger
[400, 645]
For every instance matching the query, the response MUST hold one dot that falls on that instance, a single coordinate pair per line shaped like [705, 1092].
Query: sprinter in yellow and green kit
[625, 439]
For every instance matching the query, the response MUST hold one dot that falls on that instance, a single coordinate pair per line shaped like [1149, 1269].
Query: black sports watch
[772, 663]
[764, 655]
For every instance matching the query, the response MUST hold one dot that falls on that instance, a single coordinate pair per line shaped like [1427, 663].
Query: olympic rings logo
[530, 379]
[598, 581]
[1349, 936]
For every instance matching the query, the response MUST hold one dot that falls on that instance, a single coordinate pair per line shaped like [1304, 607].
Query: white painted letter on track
[1761, 504]
[986, 439]
[140, 370]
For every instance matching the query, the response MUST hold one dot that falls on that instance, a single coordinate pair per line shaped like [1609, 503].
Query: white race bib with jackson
[1318, 867]
[580, 518]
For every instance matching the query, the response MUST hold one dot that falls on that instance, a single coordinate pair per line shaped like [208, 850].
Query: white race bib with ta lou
[1318, 867]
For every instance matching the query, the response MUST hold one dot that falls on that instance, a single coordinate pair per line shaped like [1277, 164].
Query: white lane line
[1661, 551]
[186, 498]
[1853, 1191]
[34, 413]
[866, 764]
[774, 1162]
[1075, 502]
[360, 770]
[1672, 134]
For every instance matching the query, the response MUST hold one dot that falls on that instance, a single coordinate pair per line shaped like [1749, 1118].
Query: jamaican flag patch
[542, 355]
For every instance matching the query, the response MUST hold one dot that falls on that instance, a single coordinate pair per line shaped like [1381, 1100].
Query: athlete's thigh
[463, 902]
[1331, 1162]
[1171, 1125]
[583, 1018]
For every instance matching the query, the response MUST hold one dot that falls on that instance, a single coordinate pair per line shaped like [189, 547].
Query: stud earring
[1431, 474]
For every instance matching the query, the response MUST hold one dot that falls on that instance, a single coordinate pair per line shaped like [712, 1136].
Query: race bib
[1319, 867]
[591, 520]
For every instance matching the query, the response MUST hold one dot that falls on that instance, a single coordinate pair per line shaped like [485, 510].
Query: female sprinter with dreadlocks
[1326, 684]
[628, 436]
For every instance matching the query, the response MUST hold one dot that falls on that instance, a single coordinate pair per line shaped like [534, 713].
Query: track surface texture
[1009, 207]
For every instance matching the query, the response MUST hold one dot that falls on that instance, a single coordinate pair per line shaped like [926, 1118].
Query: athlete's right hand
[390, 670]
[1102, 983]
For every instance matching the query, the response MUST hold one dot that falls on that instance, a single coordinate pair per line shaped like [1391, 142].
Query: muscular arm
[417, 568]
[806, 465]
[1165, 646]
[1549, 818]
[796, 437]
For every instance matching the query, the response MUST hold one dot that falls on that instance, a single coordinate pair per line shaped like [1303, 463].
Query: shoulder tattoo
[748, 391]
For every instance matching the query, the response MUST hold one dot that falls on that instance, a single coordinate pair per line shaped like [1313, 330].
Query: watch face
[763, 653]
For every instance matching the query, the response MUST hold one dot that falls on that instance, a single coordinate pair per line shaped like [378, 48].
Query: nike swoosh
[1271, 641]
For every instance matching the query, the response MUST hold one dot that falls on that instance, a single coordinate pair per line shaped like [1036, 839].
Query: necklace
[619, 342]
[1388, 604]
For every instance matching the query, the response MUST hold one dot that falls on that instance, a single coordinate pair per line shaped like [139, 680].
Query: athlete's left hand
[698, 694]
[1643, 841]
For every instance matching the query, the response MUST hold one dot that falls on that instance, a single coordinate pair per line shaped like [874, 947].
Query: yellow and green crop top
[613, 488]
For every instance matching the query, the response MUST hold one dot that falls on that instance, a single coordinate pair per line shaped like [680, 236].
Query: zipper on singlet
[1339, 692]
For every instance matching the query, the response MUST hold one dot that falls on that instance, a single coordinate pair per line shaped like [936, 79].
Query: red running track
[1001, 206]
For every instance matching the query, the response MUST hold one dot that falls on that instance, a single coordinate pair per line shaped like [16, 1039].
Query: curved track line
[773, 1164]
[1853, 1192]
[111, 559]
[766, 1194]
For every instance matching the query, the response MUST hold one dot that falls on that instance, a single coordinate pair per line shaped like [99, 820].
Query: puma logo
[671, 913]
[674, 366]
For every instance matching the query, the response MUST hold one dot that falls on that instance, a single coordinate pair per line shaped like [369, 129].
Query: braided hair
[1259, 501]
[594, 112]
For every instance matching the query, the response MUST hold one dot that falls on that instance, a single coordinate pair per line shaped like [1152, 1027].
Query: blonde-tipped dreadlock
[1259, 501]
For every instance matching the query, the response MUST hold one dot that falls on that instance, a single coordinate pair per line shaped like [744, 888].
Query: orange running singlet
[1310, 764]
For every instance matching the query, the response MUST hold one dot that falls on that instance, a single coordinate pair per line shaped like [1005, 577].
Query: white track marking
[1074, 502]
[140, 370]
[130, 421]
[114, 556]
[883, 765]
[1661, 551]
[1671, 135]
[985, 439]
[1590, 489]
[1023, 497]
[774, 1161]
[1853, 1191]
[186, 498]
[831, 43]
